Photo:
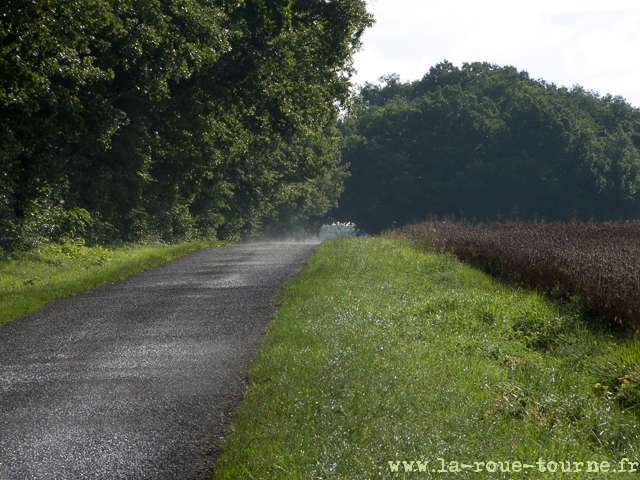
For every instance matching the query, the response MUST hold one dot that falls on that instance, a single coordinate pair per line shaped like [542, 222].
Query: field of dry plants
[598, 261]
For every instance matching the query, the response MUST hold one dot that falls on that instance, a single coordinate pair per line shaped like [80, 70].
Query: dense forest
[488, 143]
[170, 119]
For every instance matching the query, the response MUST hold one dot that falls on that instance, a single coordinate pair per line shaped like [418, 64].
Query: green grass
[34, 278]
[381, 352]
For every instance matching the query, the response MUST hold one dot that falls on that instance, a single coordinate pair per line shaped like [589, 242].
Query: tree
[491, 143]
[163, 116]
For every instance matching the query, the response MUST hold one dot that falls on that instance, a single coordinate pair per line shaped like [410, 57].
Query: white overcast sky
[592, 43]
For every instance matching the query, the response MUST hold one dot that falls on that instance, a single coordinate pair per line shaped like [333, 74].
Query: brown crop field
[598, 261]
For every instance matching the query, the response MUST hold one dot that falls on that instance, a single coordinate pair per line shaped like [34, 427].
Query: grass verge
[382, 354]
[34, 278]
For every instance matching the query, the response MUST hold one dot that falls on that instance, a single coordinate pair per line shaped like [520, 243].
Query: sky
[592, 43]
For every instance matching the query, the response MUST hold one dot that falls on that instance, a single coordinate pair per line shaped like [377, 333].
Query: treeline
[170, 118]
[488, 143]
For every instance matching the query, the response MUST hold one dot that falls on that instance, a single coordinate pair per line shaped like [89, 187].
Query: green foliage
[43, 222]
[172, 118]
[492, 143]
[619, 376]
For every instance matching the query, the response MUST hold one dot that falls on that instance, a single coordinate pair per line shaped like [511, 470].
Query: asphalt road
[136, 379]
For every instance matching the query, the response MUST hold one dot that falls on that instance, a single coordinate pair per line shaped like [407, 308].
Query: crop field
[598, 261]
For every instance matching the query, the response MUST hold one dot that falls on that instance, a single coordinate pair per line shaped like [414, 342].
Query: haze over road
[135, 380]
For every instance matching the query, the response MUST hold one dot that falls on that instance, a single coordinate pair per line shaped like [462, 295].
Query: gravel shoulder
[136, 379]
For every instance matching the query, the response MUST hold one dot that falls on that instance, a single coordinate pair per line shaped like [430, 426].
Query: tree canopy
[488, 143]
[170, 117]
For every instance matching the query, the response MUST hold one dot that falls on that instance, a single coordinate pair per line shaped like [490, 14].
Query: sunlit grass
[34, 278]
[381, 353]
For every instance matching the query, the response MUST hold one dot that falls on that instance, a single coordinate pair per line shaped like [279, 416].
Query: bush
[337, 229]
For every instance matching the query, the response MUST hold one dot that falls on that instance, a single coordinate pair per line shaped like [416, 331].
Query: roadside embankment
[382, 354]
[37, 277]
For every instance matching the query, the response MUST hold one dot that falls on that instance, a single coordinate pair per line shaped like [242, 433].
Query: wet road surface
[136, 379]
